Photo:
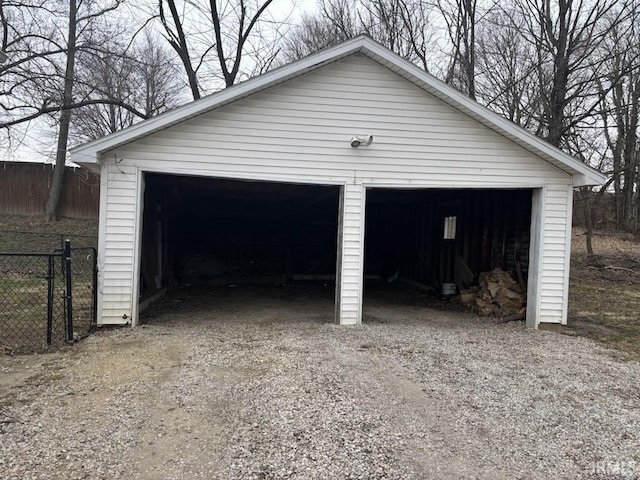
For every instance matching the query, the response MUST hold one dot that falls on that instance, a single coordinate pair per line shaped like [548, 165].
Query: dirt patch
[18, 372]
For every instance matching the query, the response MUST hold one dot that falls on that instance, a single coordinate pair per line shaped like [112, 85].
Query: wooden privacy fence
[24, 188]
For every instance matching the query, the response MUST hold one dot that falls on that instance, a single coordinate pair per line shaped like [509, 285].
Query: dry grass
[604, 293]
[32, 234]
[37, 223]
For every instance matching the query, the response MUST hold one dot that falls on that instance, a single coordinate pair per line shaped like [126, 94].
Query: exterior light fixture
[361, 142]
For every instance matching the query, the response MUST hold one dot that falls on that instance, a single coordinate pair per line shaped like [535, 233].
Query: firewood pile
[5, 350]
[497, 294]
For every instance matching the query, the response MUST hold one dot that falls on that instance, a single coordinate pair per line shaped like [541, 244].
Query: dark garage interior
[217, 233]
[214, 232]
[433, 237]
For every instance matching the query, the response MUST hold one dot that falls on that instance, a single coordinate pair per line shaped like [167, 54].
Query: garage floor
[265, 388]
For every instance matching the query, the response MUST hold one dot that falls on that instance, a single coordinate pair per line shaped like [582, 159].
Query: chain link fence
[47, 295]
[84, 276]
[31, 302]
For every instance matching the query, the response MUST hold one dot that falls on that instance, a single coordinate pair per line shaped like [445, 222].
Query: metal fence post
[50, 279]
[69, 291]
[94, 292]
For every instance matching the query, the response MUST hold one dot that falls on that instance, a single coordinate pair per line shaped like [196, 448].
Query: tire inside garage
[419, 242]
[231, 237]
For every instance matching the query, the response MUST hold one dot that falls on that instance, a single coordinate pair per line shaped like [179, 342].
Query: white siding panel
[117, 253]
[115, 246]
[116, 290]
[554, 254]
[122, 200]
[113, 305]
[117, 270]
[304, 126]
[352, 263]
[121, 234]
[115, 267]
[113, 277]
[114, 318]
[124, 183]
[300, 131]
[551, 267]
[119, 210]
[120, 222]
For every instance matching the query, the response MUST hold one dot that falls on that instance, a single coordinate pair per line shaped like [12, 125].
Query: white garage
[346, 165]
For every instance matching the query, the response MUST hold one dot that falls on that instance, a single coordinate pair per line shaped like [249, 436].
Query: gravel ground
[254, 388]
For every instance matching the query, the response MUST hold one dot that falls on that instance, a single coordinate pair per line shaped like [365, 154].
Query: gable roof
[90, 153]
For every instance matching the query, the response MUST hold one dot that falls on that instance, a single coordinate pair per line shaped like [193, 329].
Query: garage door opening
[206, 234]
[428, 245]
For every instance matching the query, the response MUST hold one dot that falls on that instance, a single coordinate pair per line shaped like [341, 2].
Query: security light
[360, 142]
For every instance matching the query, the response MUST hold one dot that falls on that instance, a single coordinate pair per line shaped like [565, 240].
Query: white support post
[535, 258]
[102, 236]
[567, 258]
[137, 244]
[339, 255]
[349, 278]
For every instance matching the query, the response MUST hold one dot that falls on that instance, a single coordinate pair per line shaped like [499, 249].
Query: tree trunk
[630, 154]
[588, 223]
[558, 93]
[55, 192]
[469, 23]
[637, 203]
[178, 42]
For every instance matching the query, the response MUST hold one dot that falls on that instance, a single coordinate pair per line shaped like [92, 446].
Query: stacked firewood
[497, 294]
[5, 350]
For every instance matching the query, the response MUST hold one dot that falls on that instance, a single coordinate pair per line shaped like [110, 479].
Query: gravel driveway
[255, 388]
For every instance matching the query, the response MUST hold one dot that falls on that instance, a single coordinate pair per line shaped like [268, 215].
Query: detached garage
[349, 164]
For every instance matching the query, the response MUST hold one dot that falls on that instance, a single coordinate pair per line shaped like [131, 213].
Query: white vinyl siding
[303, 127]
[300, 131]
[554, 257]
[115, 262]
[352, 248]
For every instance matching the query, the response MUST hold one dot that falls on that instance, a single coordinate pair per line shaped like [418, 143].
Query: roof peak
[90, 152]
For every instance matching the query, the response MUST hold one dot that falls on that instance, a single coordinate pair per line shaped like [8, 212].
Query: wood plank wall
[24, 188]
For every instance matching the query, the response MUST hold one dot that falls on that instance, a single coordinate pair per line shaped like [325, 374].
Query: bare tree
[145, 77]
[55, 191]
[461, 17]
[43, 43]
[619, 91]
[569, 42]
[505, 71]
[175, 35]
[404, 26]
[337, 22]
[230, 48]
[232, 31]
[80, 26]
[566, 35]
[32, 47]
[159, 89]
[49, 78]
